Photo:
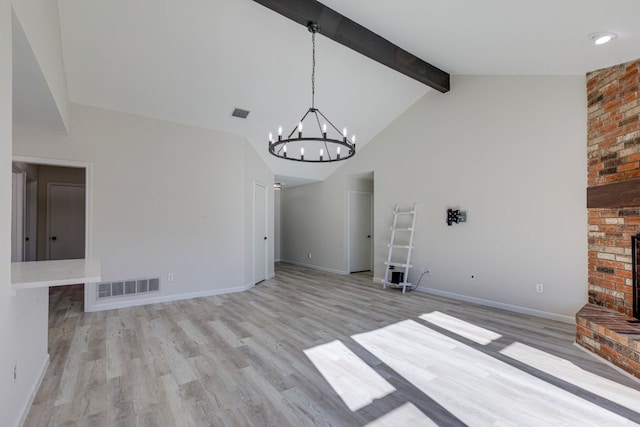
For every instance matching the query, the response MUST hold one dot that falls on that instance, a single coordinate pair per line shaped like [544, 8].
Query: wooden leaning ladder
[399, 246]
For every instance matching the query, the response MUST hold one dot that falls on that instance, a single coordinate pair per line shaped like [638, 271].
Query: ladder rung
[398, 264]
[401, 229]
[406, 213]
[400, 246]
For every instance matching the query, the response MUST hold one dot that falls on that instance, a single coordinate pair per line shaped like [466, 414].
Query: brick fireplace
[604, 325]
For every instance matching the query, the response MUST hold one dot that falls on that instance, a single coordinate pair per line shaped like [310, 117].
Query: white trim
[123, 303]
[50, 162]
[88, 209]
[271, 276]
[348, 226]
[18, 211]
[266, 230]
[496, 304]
[316, 267]
[34, 389]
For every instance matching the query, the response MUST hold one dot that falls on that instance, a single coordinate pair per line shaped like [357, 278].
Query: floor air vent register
[128, 287]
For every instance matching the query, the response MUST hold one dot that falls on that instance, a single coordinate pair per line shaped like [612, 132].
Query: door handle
[368, 236]
[54, 238]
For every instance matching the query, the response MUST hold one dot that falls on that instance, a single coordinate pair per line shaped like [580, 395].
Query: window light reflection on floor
[460, 327]
[476, 387]
[569, 372]
[357, 384]
[405, 415]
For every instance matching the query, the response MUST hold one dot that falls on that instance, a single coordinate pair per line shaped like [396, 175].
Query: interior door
[260, 233]
[360, 231]
[31, 220]
[17, 216]
[65, 221]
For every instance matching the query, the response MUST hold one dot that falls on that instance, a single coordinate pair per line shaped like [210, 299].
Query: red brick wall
[613, 96]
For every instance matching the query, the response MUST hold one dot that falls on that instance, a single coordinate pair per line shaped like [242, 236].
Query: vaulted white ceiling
[193, 61]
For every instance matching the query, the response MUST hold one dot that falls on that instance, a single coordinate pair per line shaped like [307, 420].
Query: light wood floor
[310, 348]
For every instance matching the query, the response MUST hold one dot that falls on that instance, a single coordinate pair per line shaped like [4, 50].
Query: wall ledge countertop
[44, 274]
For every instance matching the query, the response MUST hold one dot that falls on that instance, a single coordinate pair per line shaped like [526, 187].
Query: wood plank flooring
[315, 349]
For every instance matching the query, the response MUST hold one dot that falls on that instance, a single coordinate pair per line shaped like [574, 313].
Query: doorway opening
[50, 211]
[360, 230]
[260, 230]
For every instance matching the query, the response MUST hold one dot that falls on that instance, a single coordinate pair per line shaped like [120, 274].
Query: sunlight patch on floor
[569, 372]
[460, 327]
[405, 415]
[357, 384]
[475, 387]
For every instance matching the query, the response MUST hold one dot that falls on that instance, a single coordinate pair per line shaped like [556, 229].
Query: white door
[360, 231]
[17, 216]
[31, 219]
[259, 233]
[65, 221]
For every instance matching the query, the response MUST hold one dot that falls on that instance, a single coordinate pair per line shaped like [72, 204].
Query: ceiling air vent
[239, 112]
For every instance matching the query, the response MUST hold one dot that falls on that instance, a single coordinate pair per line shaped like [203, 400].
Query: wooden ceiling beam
[356, 37]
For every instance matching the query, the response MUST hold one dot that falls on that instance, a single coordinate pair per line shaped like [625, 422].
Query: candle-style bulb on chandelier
[329, 145]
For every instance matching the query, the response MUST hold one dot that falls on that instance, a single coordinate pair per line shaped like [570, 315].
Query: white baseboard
[316, 267]
[34, 390]
[496, 304]
[271, 276]
[124, 303]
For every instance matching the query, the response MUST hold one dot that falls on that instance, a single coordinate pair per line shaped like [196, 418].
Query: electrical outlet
[170, 277]
[309, 255]
[539, 288]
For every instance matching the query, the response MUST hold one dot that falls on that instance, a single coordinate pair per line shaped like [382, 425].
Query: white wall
[511, 150]
[22, 339]
[6, 326]
[41, 25]
[166, 198]
[313, 221]
[313, 225]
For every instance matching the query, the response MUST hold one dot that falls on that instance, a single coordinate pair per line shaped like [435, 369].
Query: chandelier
[329, 145]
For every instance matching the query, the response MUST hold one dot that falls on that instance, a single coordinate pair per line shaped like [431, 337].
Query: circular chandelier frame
[326, 155]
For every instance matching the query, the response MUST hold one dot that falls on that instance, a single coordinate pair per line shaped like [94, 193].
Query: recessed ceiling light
[602, 38]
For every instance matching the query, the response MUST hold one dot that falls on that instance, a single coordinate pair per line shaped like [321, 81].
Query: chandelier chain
[313, 70]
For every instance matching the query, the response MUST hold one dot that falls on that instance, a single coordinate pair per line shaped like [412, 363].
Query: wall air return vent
[128, 287]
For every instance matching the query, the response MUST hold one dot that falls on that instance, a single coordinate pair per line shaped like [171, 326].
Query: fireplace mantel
[614, 195]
